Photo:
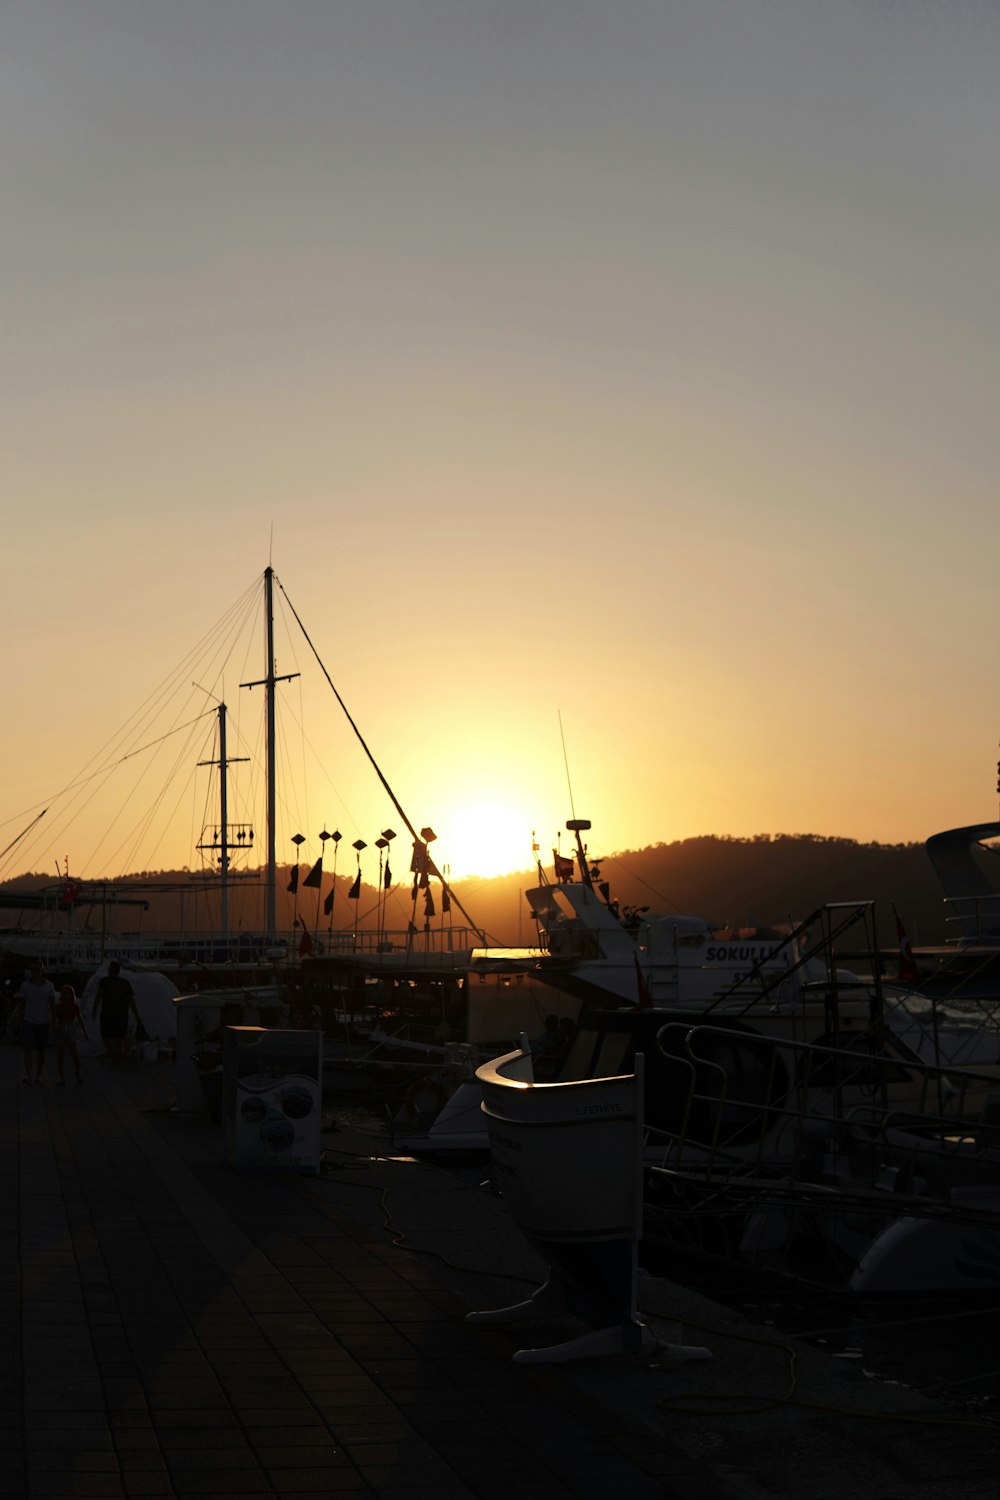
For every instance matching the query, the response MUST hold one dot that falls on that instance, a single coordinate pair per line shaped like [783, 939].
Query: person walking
[68, 1018]
[36, 1011]
[115, 998]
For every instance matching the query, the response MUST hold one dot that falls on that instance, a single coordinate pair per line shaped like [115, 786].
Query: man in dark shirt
[115, 998]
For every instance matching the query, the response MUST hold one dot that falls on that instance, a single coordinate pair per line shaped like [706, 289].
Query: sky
[611, 387]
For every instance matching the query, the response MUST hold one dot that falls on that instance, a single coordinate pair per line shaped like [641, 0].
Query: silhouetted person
[68, 1020]
[115, 998]
[36, 1010]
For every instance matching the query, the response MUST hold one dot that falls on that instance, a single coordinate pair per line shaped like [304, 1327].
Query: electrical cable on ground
[684, 1403]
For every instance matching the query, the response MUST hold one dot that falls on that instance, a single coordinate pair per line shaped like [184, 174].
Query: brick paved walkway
[173, 1328]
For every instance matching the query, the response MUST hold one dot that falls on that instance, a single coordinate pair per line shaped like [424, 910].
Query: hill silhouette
[747, 881]
[730, 881]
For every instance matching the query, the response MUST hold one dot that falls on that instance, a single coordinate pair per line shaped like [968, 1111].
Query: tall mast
[270, 918]
[224, 812]
[220, 842]
[268, 683]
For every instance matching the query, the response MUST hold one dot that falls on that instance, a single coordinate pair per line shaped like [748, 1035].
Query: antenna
[566, 764]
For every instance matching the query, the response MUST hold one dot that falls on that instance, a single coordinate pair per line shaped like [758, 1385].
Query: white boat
[597, 950]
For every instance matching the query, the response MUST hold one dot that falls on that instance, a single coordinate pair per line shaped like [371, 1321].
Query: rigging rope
[378, 770]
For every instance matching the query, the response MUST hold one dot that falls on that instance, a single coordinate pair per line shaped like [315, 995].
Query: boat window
[563, 904]
[577, 1064]
[595, 1054]
[610, 1059]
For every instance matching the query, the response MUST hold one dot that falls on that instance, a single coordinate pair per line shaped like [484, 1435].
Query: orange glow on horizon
[485, 837]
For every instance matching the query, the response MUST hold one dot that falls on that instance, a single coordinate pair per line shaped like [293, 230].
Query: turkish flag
[908, 971]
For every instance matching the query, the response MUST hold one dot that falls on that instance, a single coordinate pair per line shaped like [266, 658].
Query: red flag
[306, 945]
[908, 971]
[563, 866]
[645, 1000]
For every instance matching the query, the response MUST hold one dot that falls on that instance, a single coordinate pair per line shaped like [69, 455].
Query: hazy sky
[633, 362]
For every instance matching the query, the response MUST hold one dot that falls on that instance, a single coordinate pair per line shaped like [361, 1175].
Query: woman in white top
[36, 1010]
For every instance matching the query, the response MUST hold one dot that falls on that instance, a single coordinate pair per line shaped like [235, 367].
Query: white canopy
[154, 1000]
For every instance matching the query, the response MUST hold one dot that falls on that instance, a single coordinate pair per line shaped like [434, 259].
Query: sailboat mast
[271, 884]
[220, 844]
[224, 812]
[269, 683]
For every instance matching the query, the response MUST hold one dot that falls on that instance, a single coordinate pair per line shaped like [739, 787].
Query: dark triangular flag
[388, 877]
[428, 902]
[306, 945]
[293, 884]
[445, 901]
[315, 876]
[354, 894]
[328, 903]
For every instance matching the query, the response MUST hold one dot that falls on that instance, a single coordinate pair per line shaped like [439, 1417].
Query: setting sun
[484, 838]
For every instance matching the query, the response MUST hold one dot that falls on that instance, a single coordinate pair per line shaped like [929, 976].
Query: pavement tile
[510, 1467]
[69, 1403]
[84, 1460]
[319, 1481]
[286, 1397]
[302, 1414]
[201, 1486]
[401, 1450]
[429, 1475]
[39, 1427]
[218, 1418]
[142, 1463]
[303, 1456]
[179, 1397]
[171, 1439]
[531, 1489]
[263, 1437]
[451, 1491]
[61, 1486]
[211, 1460]
[136, 1440]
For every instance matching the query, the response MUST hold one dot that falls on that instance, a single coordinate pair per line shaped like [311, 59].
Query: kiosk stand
[272, 1098]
